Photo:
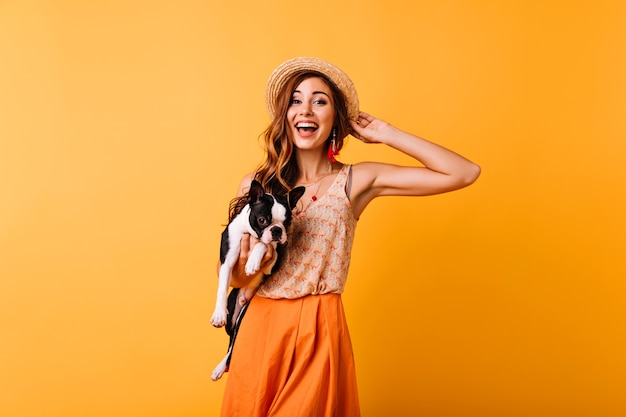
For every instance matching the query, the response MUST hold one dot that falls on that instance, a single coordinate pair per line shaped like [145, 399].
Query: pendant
[314, 198]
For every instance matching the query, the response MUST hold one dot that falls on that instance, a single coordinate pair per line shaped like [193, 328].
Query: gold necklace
[306, 184]
[319, 184]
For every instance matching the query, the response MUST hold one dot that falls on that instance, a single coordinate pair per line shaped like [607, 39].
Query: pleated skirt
[292, 358]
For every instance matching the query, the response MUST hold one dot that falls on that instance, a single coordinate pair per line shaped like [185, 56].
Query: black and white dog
[266, 217]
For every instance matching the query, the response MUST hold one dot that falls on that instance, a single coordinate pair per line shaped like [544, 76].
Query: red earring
[332, 147]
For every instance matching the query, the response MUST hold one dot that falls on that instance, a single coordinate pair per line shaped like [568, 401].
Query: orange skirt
[292, 358]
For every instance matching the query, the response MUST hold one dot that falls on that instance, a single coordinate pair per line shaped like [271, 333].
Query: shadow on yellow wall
[125, 129]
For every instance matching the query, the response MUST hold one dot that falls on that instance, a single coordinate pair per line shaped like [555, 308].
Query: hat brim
[282, 73]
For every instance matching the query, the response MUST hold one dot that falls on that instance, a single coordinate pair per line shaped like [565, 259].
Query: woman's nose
[306, 109]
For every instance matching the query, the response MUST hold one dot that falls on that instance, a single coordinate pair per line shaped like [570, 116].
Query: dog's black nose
[277, 232]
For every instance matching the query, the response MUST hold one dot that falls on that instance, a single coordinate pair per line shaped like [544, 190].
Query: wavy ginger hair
[279, 171]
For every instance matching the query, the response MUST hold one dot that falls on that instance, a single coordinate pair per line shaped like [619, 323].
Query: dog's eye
[262, 221]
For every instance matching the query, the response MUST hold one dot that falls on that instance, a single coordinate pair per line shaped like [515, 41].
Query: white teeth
[306, 125]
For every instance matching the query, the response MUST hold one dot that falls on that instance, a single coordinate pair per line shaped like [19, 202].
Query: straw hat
[337, 76]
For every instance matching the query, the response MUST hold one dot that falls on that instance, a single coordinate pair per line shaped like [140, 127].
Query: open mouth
[306, 127]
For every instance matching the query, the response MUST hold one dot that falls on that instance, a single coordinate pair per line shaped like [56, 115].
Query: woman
[293, 355]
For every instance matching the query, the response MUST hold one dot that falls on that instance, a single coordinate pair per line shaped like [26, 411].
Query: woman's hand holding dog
[240, 279]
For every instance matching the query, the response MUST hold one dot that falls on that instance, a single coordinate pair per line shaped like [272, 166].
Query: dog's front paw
[256, 256]
[252, 267]
[219, 318]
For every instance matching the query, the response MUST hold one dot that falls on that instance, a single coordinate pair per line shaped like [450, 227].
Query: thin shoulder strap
[349, 181]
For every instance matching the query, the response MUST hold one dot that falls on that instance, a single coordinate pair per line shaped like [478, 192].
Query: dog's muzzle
[277, 233]
[274, 233]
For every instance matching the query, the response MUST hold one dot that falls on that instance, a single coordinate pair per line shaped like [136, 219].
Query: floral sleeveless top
[318, 247]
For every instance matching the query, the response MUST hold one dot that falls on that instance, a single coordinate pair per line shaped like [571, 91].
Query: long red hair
[279, 170]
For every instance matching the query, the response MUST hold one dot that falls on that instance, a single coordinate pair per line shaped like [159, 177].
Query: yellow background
[125, 127]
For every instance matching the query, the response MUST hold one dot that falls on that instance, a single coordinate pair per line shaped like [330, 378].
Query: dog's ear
[295, 195]
[256, 191]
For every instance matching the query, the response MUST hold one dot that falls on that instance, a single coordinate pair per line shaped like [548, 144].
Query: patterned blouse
[318, 247]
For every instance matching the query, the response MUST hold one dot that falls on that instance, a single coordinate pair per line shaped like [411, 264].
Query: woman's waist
[282, 286]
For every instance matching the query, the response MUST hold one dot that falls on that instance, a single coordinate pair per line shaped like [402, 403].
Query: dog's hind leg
[222, 366]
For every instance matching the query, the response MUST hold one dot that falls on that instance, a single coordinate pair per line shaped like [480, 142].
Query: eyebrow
[314, 92]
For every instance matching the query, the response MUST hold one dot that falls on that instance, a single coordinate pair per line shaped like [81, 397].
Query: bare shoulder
[366, 167]
[364, 175]
[363, 190]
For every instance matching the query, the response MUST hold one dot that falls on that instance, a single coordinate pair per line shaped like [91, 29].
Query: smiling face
[311, 114]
